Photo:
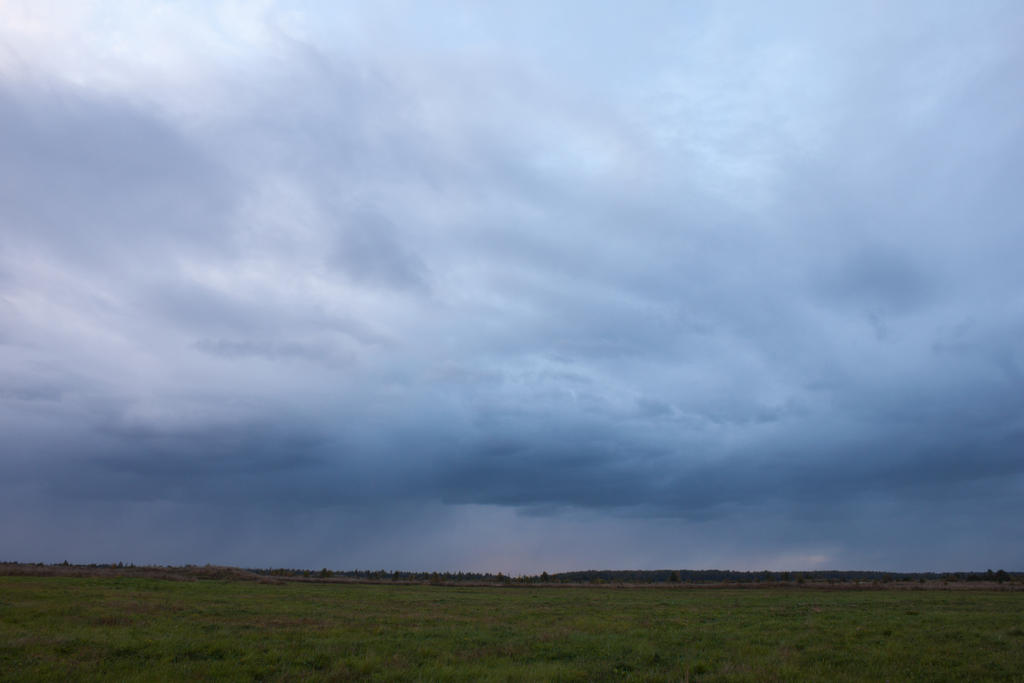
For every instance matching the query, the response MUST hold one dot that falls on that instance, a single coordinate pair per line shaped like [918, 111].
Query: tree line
[667, 576]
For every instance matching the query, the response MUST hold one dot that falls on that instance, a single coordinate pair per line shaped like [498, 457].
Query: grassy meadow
[58, 628]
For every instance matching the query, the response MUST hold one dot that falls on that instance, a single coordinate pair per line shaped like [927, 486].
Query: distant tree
[674, 576]
[544, 577]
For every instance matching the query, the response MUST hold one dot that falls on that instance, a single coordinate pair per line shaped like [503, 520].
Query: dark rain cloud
[448, 307]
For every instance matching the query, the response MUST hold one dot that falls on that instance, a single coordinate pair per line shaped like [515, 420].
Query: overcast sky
[512, 286]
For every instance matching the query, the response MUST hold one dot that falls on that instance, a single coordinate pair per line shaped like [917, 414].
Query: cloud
[368, 251]
[749, 284]
[98, 179]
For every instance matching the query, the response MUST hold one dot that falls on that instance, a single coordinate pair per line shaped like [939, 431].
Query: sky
[513, 286]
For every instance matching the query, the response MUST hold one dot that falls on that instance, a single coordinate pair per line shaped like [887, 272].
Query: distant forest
[689, 576]
[708, 577]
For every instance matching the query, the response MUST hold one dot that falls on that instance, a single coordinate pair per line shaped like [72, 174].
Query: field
[58, 628]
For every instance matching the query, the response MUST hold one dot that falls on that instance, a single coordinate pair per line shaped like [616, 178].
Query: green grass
[142, 629]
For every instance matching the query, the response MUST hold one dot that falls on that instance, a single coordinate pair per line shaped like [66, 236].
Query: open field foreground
[54, 628]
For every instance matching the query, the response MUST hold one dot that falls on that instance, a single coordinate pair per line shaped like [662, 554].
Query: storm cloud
[512, 288]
